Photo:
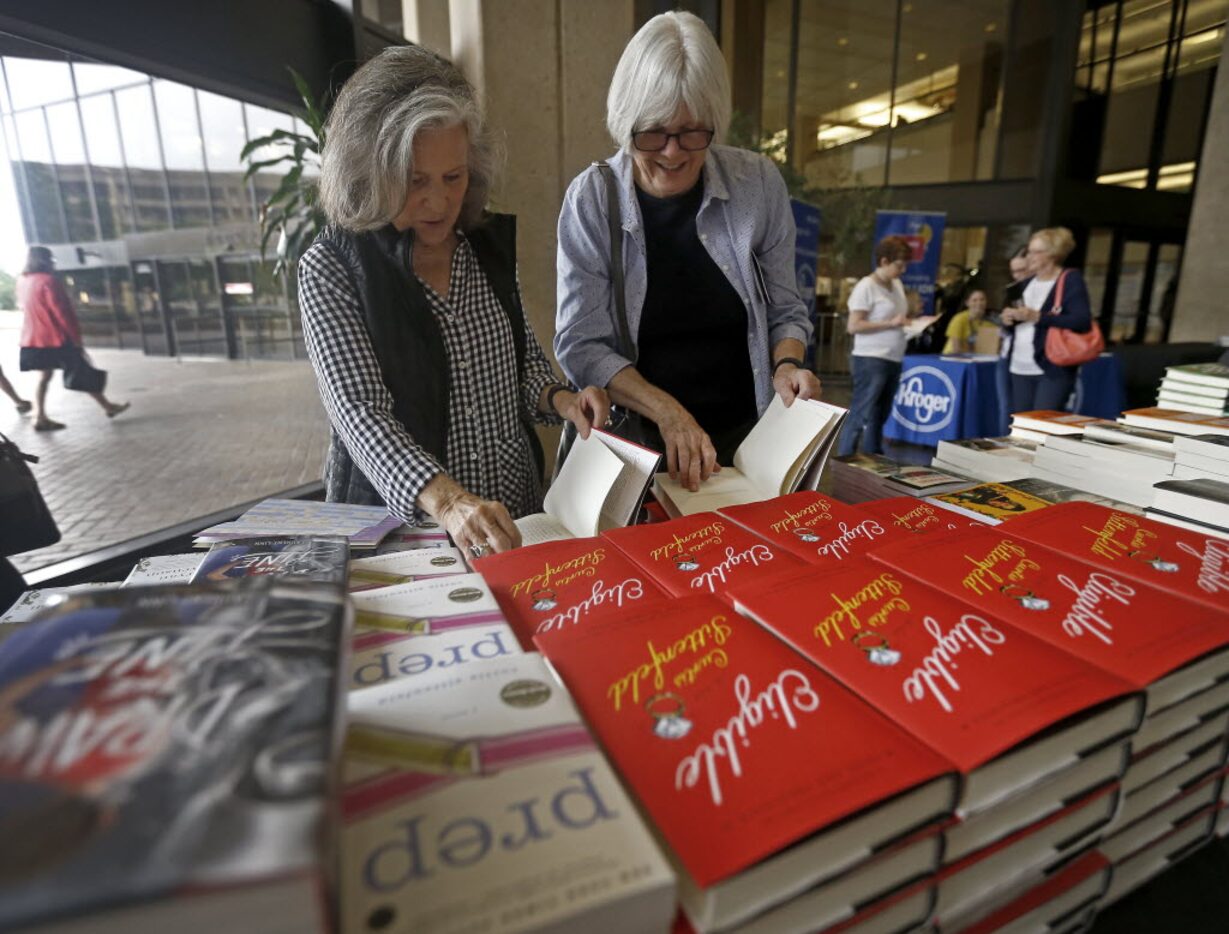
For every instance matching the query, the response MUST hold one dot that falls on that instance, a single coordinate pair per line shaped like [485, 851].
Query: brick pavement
[202, 435]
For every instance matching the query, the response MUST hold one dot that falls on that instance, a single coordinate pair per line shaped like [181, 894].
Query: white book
[1121, 458]
[1181, 423]
[1198, 470]
[404, 567]
[33, 602]
[377, 657]
[1206, 374]
[1211, 447]
[1179, 403]
[426, 606]
[164, 569]
[1183, 523]
[477, 800]
[601, 486]
[1114, 433]
[1216, 393]
[1203, 500]
[783, 453]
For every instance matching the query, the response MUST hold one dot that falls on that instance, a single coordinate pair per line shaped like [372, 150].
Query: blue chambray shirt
[745, 210]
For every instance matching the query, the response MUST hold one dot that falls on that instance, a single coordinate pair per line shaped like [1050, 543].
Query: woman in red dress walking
[50, 333]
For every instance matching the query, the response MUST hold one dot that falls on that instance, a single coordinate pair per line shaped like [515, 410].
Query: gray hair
[369, 137]
[672, 62]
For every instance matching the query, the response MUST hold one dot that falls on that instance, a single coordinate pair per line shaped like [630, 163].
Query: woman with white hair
[1053, 297]
[426, 363]
[696, 242]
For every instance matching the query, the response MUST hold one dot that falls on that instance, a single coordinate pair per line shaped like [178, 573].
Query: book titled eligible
[763, 774]
[1172, 648]
[917, 515]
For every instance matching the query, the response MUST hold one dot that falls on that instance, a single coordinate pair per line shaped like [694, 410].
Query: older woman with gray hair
[426, 363]
[696, 242]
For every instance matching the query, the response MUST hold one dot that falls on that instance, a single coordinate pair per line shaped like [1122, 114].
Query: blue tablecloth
[943, 398]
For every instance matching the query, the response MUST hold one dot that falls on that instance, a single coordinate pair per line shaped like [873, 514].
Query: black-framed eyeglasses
[657, 140]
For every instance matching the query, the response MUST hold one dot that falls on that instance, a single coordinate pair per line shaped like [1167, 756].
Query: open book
[601, 485]
[785, 452]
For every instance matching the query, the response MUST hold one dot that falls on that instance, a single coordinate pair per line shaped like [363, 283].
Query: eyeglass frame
[675, 136]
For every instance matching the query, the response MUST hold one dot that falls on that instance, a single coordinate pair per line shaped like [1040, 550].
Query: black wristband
[794, 360]
[550, 397]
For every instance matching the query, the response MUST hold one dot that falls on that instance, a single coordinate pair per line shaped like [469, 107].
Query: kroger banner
[925, 234]
[806, 257]
[925, 400]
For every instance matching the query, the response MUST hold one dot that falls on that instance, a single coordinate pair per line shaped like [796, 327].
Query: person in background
[425, 360]
[878, 310]
[963, 329]
[1018, 265]
[716, 324]
[50, 333]
[23, 405]
[1036, 383]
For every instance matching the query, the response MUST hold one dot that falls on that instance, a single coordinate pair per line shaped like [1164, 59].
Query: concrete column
[1201, 312]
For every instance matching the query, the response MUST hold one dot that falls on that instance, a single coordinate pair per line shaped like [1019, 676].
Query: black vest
[407, 342]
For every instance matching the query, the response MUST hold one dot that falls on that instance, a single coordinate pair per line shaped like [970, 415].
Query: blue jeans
[874, 385]
[1049, 391]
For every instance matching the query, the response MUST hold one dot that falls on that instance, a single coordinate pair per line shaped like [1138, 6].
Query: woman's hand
[477, 526]
[690, 456]
[587, 409]
[792, 382]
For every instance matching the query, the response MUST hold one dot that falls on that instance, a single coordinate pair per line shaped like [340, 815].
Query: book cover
[413, 536]
[364, 526]
[1204, 374]
[404, 567]
[378, 656]
[703, 553]
[163, 740]
[163, 569]
[701, 710]
[1181, 423]
[813, 526]
[33, 602]
[565, 584]
[1051, 422]
[1099, 615]
[423, 607]
[318, 558]
[1057, 493]
[917, 515]
[1186, 564]
[969, 685]
[995, 501]
[476, 800]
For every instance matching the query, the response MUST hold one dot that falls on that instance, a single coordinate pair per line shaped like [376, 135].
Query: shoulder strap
[494, 245]
[615, 221]
[1056, 306]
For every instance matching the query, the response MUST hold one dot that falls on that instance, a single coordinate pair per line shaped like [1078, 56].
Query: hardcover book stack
[860, 477]
[1040, 424]
[1040, 736]
[698, 708]
[1121, 471]
[1201, 388]
[1201, 456]
[1201, 505]
[476, 799]
[1175, 422]
[993, 460]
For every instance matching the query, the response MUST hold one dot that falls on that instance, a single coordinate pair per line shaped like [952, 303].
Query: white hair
[369, 138]
[671, 63]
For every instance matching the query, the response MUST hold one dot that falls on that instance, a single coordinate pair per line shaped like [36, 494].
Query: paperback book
[565, 584]
[423, 607]
[163, 569]
[404, 567]
[363, 526]
[167, 756]
[993, 460]
[918, 516]
[318, 558]
[990, 503]
[1175, 422]
[378, 656]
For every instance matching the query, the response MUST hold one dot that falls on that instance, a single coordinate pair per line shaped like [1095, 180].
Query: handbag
[623, 422]
[80, 375]
[27, 520]
[1065, 347]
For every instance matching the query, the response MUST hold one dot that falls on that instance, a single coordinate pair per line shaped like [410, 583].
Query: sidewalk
[201, 435]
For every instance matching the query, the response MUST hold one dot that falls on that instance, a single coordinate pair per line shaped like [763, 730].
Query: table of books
[791, 715]
[948, 398]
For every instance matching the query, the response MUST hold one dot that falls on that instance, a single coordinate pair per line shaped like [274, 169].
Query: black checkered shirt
[488, 450]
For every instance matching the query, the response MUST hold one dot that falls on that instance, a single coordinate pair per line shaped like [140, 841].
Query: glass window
[65, 127]
[140, 137]
[44, 192]
[774, 116]
[107, 162]
[222, 128]
[4, 92]
[32, 134]
[1130, 290]
[261, 122]
[69, 151]
[36, 81]
[185, 157]
[1096, 266]
[92, 77]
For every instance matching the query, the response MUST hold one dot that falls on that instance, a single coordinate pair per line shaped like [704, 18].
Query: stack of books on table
[365, 527]
[1201, 388]
[1175, 422]
[1201, 456]
[1040, 424]
[1201, 505]
[993, 460]
[857, 478]
[1121, 471]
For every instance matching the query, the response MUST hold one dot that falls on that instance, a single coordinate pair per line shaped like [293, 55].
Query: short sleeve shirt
[881, 304]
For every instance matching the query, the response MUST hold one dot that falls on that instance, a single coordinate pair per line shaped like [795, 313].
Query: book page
[624, 499]
[541, 527]
[727, 488]
[770, 453]
[585, 480]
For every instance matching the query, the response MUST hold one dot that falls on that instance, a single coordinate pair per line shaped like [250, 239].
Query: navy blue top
[1075, 314]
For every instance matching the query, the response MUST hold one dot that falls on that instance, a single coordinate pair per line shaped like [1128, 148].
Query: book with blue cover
[165, 756]
[319, 558]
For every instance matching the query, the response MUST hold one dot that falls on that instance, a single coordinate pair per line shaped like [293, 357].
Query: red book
[915, 515]
[814, 527]
[1107, 619]
[702, 553]
[975, 689]
[745, 756]
[1070, 892]
[1185, 563]
[559, 585]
